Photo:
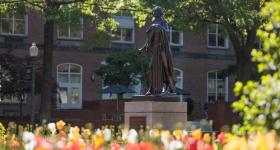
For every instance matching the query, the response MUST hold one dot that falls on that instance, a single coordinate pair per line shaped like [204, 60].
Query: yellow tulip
[75, 133]
[155, 133]
[98, 140]
[86, 133]
[236, 143]
[263, 142]
[197, 134]
[207, 138]
[177, 134]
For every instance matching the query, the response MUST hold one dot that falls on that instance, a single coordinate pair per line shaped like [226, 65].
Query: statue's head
[157, 12]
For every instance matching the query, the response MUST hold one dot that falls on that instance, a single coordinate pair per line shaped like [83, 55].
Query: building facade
[199, 56]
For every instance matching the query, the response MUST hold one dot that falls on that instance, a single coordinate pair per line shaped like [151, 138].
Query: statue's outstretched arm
[147, 44]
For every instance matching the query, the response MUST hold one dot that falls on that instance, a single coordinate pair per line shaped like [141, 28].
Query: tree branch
[65, 2]
[37, 4]
[8, 1]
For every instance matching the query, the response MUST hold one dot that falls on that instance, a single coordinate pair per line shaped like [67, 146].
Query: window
[217, 86]
[176, 37]
[124, 35]
[69, 78]
[125, 31]
[12, 99]
[73, 29]
[217, 37]
[13, 25]
[124, 13]
[9, 99]
[178, 75]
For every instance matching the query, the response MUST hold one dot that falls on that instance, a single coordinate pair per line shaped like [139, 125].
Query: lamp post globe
[33, 50]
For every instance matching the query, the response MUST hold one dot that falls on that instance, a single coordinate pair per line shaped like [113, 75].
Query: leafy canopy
[259, 103]
[99, 12]
[13, 77]
[123, 68]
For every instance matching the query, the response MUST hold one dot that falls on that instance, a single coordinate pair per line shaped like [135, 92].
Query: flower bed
[61, 136]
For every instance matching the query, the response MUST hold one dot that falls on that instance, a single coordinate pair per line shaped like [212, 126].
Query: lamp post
[33, 50]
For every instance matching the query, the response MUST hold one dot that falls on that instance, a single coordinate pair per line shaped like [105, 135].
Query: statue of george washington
[160, 74]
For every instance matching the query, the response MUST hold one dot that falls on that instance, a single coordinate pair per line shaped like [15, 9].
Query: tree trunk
[244, 69]
[243, 51]
[46, 96]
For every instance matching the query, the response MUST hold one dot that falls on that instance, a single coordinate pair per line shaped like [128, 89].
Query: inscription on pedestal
[136, 122]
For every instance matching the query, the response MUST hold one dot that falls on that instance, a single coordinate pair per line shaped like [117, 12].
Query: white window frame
[69, 31]
[226, 39]
[181, 77]
[13, 100]
[181, 36]
[123, 41]
[70, 85]
[125, 22]
[216, 85]
[13, 28]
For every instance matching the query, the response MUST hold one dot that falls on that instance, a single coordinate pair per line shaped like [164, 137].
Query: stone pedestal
[149, 110]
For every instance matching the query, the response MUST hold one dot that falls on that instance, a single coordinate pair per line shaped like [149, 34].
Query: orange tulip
[60, 125]
[197, 134]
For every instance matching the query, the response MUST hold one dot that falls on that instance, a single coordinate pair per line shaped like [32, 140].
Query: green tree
[124, 68]
[239, 18]
[13, 81]
[55, 11]
[259, 103]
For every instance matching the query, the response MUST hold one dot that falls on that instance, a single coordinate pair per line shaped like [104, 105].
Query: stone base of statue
[147, 111]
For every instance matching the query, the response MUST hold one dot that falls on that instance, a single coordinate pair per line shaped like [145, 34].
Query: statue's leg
[169, 81]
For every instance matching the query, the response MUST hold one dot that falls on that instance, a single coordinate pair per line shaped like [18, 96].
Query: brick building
[198, 58]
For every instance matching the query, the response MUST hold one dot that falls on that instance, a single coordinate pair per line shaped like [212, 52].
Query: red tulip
[147, 146]
[221, 138]
[192, 144]
[115, 146]
[185, 138]
[132, 147]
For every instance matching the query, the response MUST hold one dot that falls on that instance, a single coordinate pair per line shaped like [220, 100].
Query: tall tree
[239, 18]
[54, 11]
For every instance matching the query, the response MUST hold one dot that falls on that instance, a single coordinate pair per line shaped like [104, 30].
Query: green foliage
[98, 39]
[2, 131]
[98, 12]
[259, 103]
[13, 76]
[123, 68]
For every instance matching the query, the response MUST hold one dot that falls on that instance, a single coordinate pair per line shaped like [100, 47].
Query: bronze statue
[160, 60]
